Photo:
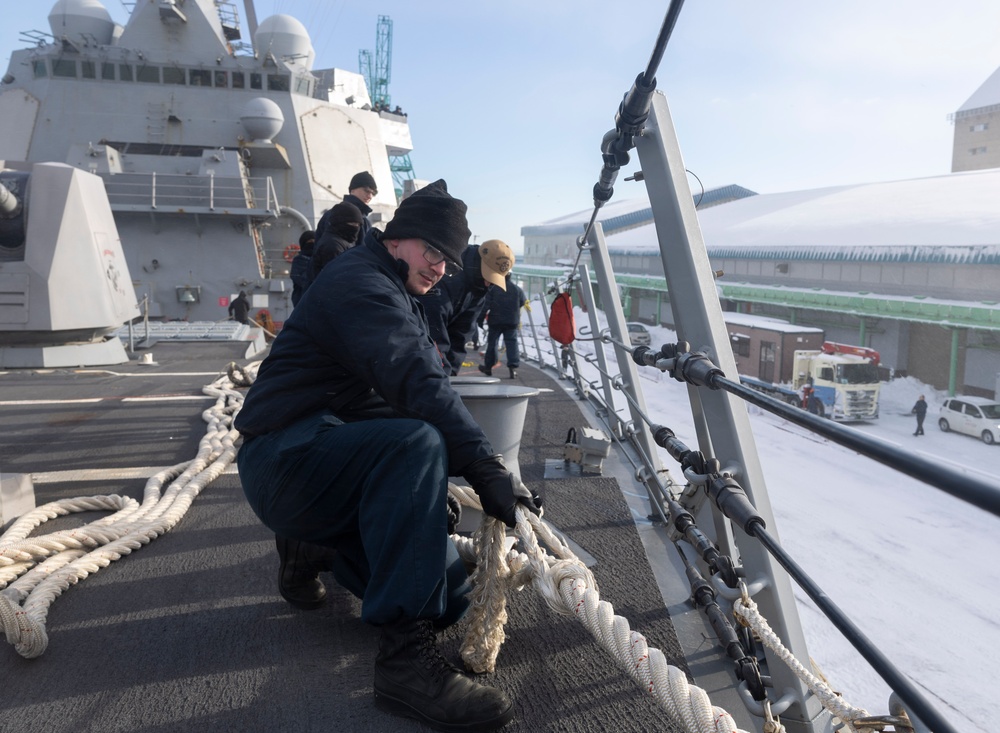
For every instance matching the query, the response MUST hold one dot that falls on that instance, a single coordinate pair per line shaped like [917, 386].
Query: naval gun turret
[64, 283]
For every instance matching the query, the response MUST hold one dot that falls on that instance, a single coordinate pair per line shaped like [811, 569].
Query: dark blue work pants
[509, 334]
[375, 491]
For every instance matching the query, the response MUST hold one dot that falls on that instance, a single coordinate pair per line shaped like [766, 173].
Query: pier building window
[977, 151]
[277, 83]
[200, 78]
[222, 79]
[741, 344]
[64, 68]
[124, 72]
[148, 74]
[87, 70]
[39, 69]
[239, 80]
[173, 75]
[981, 127]
[108, 71]
[256, 80]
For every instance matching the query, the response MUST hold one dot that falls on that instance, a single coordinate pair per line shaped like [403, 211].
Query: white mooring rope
[43, 567]
[747, 612]
[569, 589]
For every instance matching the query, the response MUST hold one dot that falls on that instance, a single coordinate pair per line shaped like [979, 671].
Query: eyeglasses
[435, 257]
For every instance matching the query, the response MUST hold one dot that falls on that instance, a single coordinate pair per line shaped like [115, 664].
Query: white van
[973, 416]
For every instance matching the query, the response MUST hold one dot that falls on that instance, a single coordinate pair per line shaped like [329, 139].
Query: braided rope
[746, 611]
[34, 571]
[569, 589]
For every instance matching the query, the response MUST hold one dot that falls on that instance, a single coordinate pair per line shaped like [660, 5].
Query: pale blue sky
[508, 101]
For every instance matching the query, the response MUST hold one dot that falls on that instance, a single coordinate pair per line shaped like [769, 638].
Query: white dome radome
[286, 39]
[262, 119]
[79, 19]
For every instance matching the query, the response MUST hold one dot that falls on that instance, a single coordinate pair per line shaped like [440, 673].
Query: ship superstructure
[215, 155]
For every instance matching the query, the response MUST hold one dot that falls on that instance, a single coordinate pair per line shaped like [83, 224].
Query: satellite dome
[286, 39]
[262, 119]
[80, 19]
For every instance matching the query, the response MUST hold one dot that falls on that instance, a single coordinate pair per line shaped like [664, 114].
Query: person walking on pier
[350, 432]
[920, 410]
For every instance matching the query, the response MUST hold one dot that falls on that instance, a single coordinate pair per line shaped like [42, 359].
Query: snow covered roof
[951, 218]
[771, 324]
[627, 214]
[987, 95]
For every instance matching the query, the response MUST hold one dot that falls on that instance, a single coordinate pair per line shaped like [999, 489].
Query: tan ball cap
[498, 261]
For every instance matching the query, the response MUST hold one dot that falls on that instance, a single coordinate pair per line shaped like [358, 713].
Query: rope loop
[34, 571]
[570, 589]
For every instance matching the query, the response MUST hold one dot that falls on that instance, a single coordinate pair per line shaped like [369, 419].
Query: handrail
[734, 530]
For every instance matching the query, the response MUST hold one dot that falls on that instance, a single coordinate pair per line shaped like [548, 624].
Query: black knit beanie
[364, 179]
[307, 241]
[344, 220]
[435, 216]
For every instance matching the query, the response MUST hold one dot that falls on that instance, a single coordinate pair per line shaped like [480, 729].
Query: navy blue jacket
[366, 225]
[453, 307]
[504, 307]
[357, 344]
[301, 276]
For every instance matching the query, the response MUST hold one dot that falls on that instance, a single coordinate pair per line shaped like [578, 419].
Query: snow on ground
[913, 567]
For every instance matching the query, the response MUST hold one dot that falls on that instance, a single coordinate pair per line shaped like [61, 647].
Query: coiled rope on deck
[569, 589]
[43, 567]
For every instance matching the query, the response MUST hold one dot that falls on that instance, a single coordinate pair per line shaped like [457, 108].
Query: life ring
[290, 252]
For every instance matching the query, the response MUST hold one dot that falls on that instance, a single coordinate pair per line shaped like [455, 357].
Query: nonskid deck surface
[188, 633]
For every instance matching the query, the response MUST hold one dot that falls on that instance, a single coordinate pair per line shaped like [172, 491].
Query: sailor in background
[454, 305]
[343, 225]
[360, 192]
[350, 432]
[239, 309]
[502, 314]
[302, 268]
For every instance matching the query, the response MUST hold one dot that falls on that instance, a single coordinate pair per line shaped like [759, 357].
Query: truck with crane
[844, 377]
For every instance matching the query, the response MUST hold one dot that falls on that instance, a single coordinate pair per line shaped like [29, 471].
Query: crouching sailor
[349, 435]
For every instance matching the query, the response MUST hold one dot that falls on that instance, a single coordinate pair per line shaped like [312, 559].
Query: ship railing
[723, 511]
[199, 194]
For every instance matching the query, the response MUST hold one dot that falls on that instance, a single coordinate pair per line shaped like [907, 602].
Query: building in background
[910, 268]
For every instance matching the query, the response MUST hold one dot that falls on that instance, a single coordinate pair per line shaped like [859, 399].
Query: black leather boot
[298, 572]
[488, 371]
[513, 372]
[414, 680]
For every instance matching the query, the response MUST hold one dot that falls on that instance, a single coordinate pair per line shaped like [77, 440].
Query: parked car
[972, 416]
[638, 334]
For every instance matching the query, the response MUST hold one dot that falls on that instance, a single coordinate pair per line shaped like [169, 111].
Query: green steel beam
[953, 364]
[983, 315]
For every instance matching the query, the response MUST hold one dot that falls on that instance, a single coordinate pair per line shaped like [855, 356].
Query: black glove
[499, 490]
[454, 514]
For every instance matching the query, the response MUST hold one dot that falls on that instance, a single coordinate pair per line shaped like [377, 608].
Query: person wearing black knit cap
[301, 273]
[350, 432]
[341, 234]
[360, 192]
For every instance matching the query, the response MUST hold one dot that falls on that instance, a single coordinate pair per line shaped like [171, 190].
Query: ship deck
[188, 633]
